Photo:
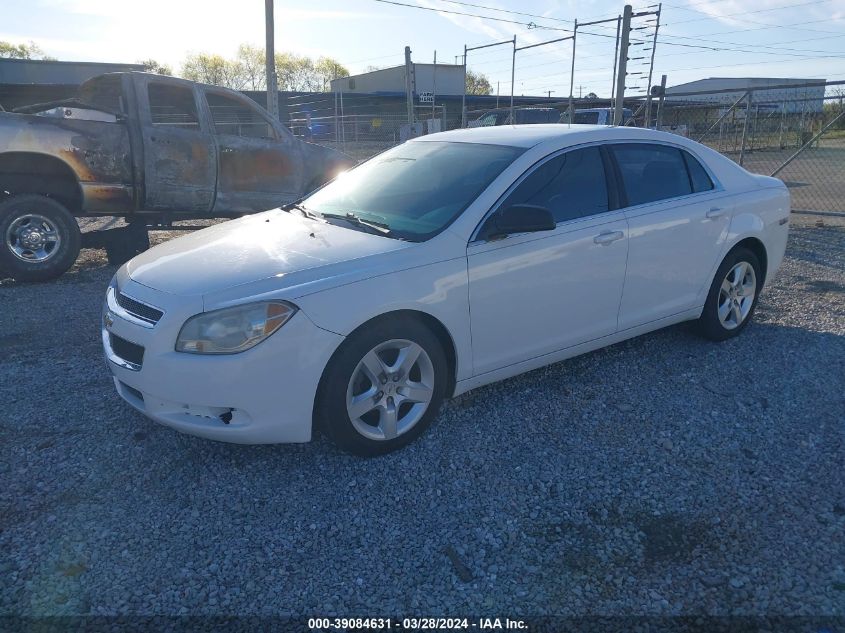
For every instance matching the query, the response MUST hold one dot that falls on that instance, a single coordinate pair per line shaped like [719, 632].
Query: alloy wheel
[390, 389]
[736, 295]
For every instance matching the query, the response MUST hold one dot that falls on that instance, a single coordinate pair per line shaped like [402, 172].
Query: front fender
[438, 290]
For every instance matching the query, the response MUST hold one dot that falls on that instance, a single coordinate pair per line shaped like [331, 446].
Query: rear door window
[651, 172]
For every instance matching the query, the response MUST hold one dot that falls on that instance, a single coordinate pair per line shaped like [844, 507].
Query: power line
[728, 15]
[529, 25]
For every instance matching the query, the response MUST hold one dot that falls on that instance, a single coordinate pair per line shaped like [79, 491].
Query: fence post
[572, 73]
[745, 126]
[409, 91]
[464, 95]
[513, 77]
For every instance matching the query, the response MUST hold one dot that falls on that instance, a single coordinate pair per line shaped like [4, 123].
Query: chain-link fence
[796, 133]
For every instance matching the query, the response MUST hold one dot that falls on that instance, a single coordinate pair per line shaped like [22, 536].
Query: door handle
[714, 213]
[608, 237]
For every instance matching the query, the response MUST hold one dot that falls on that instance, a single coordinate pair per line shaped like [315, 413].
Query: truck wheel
[41, 239]
[123, 244]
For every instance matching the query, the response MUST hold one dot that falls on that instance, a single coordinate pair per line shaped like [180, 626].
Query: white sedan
[446, 263]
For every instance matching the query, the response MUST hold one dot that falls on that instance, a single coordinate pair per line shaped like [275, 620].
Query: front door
[260, 165]
[179, 154]
[537, 293]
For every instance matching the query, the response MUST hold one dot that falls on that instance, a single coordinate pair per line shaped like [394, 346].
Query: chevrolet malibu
[446, 263]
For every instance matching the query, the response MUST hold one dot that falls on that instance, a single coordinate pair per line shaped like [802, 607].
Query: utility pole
[622, 72]
[409, 91]
[270, 61]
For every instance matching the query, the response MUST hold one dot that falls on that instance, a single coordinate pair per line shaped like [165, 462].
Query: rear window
[651, 172]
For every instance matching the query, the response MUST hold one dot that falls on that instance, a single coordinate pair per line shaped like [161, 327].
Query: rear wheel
[732, 297]
[383, 388]
[41, 239]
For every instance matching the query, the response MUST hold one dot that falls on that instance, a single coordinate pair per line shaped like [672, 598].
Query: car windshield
[416, 189]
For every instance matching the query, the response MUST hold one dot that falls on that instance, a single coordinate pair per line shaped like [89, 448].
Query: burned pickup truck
[150, 149]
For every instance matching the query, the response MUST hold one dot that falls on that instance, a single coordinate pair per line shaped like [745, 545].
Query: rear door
[179, 155]
[678, 218]
[260, 164]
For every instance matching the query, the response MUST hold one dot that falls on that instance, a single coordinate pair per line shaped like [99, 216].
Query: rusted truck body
[147, 148]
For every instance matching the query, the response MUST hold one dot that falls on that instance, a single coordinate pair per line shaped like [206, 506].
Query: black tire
[20, 212]
[330, 410]
[710, 325]
[124, 244]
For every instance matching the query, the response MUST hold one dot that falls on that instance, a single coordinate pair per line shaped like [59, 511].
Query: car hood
[257, 247]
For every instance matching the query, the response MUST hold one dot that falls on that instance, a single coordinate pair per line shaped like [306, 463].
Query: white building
[448, 77]
[772, 93]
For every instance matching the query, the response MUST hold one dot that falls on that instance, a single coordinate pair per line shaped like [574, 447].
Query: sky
[697, 38]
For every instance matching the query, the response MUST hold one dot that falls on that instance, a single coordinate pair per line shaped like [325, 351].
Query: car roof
[531, 135]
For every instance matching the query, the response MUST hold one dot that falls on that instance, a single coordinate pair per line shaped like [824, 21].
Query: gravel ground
[664, 475]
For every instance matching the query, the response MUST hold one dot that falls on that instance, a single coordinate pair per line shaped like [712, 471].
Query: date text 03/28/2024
[416, 624]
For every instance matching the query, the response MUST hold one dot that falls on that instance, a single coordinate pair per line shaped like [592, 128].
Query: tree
[213, 69]
[328, 69]
[21, 51]
[591, 95]
[152, 66]
[478, 84]
[247, 72]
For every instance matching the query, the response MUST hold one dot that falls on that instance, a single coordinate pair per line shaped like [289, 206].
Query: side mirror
[519, 218]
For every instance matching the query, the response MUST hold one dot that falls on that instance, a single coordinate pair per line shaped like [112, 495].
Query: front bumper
[261, 396]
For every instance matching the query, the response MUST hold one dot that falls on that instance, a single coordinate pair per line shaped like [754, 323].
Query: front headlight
[233, 330]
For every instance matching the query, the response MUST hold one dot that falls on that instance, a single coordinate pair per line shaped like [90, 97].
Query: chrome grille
[139, 310]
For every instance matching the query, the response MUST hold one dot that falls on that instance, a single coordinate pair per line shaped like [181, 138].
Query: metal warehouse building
[442, 79]
[26, 81]
[773, 92]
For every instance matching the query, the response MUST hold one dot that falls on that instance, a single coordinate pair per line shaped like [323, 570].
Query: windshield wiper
[308, 213]
[380, 227]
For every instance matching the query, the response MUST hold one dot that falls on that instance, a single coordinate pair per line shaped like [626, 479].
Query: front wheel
[383, 387]
[732, 297]
[41, 239]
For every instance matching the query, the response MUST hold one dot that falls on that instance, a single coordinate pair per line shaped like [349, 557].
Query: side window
[651, 172]
[698, 177]
[236, 118]
[571, 185]
[173, 106]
